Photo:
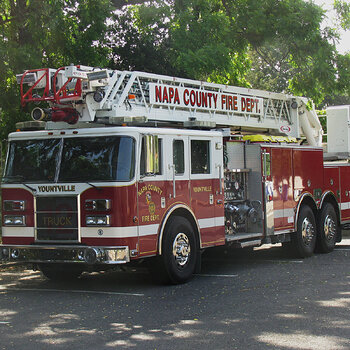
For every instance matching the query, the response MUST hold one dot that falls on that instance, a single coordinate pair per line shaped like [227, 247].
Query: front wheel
[327, 229]
[179, 251]
[304, 240]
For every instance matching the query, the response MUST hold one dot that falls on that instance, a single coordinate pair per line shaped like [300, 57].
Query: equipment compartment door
[345, 193]
[282, 178]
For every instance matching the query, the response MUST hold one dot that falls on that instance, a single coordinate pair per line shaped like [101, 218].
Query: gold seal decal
[151, 206]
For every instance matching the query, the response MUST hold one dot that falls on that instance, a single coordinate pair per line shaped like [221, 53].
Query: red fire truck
[121, 166]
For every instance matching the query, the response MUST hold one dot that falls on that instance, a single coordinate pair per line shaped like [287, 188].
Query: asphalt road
[241, 300]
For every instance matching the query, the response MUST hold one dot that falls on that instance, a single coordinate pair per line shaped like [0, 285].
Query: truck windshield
[32, 161]
[80, 159]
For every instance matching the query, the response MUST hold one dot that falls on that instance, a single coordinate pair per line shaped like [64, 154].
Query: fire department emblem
[151, 205]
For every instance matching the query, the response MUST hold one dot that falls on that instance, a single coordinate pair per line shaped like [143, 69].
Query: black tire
[327, 225]
[60, 272]
[179, 252]
[304, 240]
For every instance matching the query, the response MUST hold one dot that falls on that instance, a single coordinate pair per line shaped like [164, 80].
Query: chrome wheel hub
[181, 249]
[329, 228]
[307, 231]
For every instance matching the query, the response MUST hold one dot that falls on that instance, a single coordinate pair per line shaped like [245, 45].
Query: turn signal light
[14, 205]
[98, 204]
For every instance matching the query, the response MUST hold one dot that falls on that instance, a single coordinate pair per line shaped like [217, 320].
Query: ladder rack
[115, 96]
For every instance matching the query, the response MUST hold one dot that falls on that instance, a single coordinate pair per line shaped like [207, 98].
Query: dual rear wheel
[327, 229]
[315, 234]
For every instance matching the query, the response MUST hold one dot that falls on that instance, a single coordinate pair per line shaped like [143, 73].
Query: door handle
[172, 166]
[220, 177]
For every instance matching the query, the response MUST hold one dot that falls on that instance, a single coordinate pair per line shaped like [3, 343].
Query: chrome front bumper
[64, 254]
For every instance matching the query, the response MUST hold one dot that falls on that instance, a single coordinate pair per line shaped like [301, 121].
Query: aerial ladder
[87, 94]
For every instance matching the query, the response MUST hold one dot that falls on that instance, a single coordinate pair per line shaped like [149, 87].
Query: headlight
[99, 220]
[14, 205]
[14, 220]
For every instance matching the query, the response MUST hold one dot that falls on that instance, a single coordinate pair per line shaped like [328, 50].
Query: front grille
[57, 219]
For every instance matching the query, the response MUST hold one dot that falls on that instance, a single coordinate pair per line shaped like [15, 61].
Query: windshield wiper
[18, 178]
[31, 188]
[94, 186]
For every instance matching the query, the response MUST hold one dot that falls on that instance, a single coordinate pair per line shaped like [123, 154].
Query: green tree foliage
[139, 40]
[51, 33]
[288, 45]
[201, 38]
[310, 67]
[343, 10]
[193, 39]
[270, 68]
[268, 44]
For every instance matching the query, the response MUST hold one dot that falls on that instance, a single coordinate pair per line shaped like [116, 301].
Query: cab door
[206, 169]
[178, 170]
[152, 192]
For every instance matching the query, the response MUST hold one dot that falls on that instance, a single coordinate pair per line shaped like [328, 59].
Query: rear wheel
[179, 251]
[304, 240]
[327, 229]
[60, 272]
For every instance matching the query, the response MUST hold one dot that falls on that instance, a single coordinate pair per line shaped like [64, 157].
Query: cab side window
[200, 157]
[179, 156]
[143, 158]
